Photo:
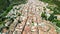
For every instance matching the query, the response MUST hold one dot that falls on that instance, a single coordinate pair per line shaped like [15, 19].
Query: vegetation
[3, 5]
[6, 6]
[44, 16]
[55, 7]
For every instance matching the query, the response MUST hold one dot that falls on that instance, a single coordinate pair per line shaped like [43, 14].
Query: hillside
[32, 17]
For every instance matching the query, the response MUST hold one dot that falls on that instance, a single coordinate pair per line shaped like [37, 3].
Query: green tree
[44, 16]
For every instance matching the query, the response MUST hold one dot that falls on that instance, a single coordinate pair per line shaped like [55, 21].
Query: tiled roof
[31, 20]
